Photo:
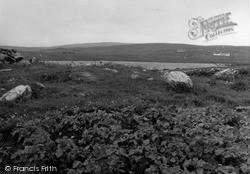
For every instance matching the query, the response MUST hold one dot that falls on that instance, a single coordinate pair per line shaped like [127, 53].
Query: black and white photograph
[124, 87]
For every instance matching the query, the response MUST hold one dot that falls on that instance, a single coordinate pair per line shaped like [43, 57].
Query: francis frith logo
[212, 27]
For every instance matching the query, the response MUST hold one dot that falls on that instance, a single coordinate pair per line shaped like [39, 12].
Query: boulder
[178, 78]
[81, 76]
[33, 60]
[24, 63]
[19, 92]
[226, 74]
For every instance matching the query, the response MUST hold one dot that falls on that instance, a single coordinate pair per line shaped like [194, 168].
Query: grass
[70, 121]
[112, 90]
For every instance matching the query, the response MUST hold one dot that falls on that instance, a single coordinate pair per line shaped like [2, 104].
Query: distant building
[221, 54]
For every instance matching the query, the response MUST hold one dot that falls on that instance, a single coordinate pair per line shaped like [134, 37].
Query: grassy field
[157, 52]
[110, 123]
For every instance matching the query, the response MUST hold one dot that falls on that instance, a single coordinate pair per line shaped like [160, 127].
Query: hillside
[78, 45]
[88, 45]
[157, 52]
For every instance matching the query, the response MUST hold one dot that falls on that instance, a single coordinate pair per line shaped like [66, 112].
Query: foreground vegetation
[114, 124]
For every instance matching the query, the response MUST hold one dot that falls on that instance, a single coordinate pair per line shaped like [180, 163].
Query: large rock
[19, 92]
[226, 74]
[11, 56]
[33, 60]
[177, 79]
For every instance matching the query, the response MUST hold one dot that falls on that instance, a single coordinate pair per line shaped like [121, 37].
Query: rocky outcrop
[178, 80]
[22, 92]
[10, 56]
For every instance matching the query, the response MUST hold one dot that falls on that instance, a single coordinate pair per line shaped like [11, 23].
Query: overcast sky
[58, 22]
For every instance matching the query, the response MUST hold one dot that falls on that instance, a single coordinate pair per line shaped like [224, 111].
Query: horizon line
[124, 43]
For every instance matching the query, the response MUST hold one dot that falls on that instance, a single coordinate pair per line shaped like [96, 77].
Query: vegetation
[115, 124]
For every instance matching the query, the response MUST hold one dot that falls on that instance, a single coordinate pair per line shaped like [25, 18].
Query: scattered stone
[5, 70]
[134, 76]
[24, 63]
[178, 78]
[112, 70]
[227, 83]
[11, 81]
[3, 89]
[136, 72]
[82, 94]
[226, 74]
[242, 108]
[81, 76]
[19, 92]
[40, 85]
[150, 79]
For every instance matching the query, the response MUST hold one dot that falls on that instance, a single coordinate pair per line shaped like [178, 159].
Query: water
[146, 65]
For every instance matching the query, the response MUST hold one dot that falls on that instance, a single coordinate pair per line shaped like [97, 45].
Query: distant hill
[151, 52]
[79, 45]
[24, 48]
[88, 45]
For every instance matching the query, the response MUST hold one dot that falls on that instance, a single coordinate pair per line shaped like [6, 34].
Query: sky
[35, 23]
